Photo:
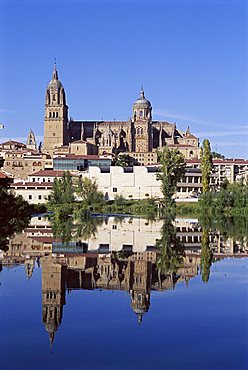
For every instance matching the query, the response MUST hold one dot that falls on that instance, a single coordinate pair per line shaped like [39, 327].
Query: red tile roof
[13, 142]
[48, 173]
[3, 176]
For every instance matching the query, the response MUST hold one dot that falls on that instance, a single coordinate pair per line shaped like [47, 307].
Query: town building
[223, 169]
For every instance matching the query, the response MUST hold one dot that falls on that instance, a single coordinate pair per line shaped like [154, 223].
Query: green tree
[15, 214]
[172, 170]
[89, 193]
[206, 165]
[123, 160]
[217, 155]
[62, 191]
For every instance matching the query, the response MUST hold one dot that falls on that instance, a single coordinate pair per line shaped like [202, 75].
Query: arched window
[141, 113]
[141, 131]
[50, 114]
[54, 97]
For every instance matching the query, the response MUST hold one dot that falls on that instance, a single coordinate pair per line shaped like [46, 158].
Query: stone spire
[55, 72]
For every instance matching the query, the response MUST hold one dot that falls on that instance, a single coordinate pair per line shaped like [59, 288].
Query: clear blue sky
[191, 57]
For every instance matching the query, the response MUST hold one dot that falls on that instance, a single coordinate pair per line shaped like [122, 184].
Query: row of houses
[32, 173]
[138, 182]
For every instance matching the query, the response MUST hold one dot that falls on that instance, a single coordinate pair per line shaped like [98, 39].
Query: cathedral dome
[142, 102]
[55, 83]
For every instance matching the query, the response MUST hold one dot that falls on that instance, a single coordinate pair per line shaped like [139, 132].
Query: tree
[172, 170]
[206, 165]
[123, 160]
[89, 193]
[15, 214]
[62, 191]
[217, 155]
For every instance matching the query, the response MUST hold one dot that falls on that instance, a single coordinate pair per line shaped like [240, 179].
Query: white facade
[32, 192]
[138, 184]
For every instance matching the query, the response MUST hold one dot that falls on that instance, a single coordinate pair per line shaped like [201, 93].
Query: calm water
[111, 300]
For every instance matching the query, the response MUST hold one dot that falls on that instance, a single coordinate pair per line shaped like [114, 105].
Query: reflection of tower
[29, 265]
[140, 292]
[53, 295]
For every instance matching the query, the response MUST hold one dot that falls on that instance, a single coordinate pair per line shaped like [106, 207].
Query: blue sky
[190, 56]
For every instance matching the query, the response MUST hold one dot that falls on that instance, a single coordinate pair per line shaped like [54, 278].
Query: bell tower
[142, 124]
[56, 115]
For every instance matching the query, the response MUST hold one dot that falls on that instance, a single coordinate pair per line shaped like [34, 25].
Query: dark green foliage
[206, 256]
[119, 200]
[86, 225]
[217, 155]
[231, 198]
[15, 214]
[62, 224]
[123, 160]
[79, 224]
[63, 191]
[206, 165]
[172, 170]
[172, 252]
[90, 196]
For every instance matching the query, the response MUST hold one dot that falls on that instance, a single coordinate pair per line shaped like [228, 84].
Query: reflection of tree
[87, 225]
[79, 225]
[172, 251]
[228, 226]
[206, 256]
[15, 214]
[62, 225]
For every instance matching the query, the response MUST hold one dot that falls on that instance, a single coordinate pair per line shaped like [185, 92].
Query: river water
[124, 293]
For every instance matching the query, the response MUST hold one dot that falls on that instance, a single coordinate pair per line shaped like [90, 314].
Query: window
[39, 197]
[30, 196]
[114, 227]
[114, 190]
[54, 97]
[54, 134]
[141, 113]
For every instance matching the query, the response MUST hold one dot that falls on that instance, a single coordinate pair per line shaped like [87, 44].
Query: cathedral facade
[139, 134]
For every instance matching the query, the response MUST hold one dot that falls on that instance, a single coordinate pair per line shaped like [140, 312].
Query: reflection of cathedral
[138, 134]
[53, 296]
[120, 256]
[135, 273]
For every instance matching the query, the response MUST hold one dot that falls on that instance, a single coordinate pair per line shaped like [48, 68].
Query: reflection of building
[121, 256]
[53, 295]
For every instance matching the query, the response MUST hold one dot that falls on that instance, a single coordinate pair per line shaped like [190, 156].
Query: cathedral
[138, 135]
